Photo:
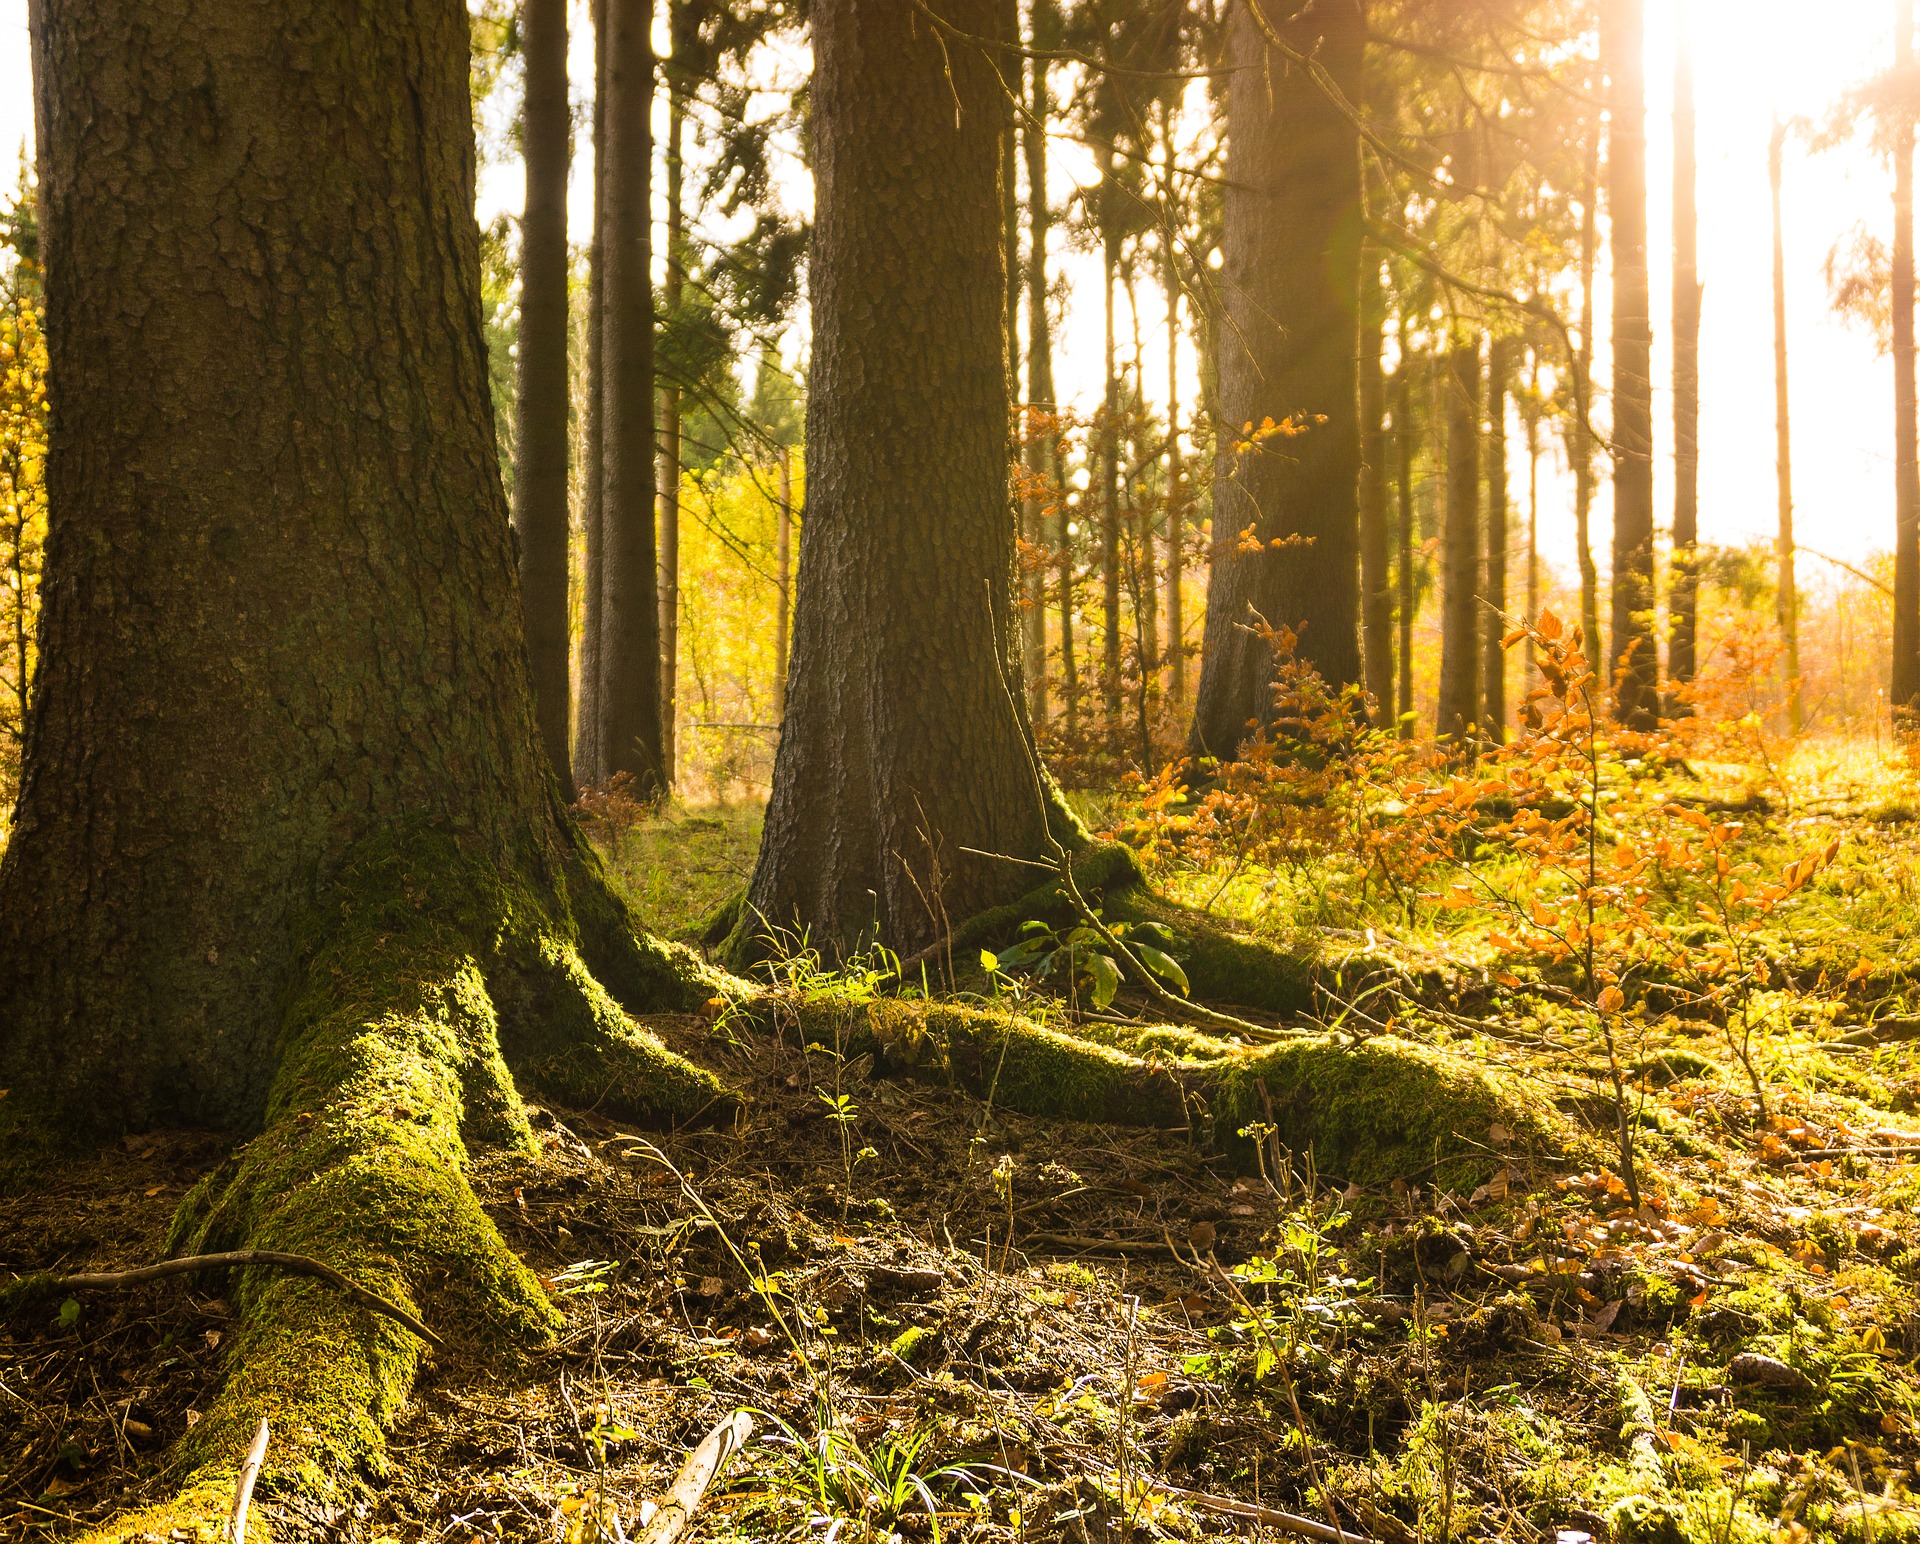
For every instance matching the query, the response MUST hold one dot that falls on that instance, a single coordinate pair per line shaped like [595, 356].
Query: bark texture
[1459, 705]
[1376, 579]
[1786, 597]
[1904, 690]
[587, 758]
[1493, 597]
[540, 445]
[906, 739]
[1290, 280]
[1633, 660]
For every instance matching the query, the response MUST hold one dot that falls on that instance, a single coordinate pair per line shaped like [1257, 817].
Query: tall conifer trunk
[1459, 706]
[1405, 437]
[1904, 688]
[630, 616]
[1376, 580]
[1683, 602]
[1582, 428]
[589, 760]
[906, 752]
[1291, 240]
[289, 859]
[1109, 459]
[1786, 592]
[1176, 470]
[540, 440]
[683, 23]
[1633, 662]
[1493, 598]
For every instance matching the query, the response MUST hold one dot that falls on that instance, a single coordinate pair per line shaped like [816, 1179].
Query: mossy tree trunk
[906, 755]
[1291, 241]
[290, 860]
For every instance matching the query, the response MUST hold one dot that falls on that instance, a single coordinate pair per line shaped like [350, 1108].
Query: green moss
[1381, 1109]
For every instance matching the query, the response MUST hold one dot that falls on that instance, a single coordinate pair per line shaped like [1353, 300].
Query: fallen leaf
[1602, 1320]
[1201, 1236]
[1499, 1135]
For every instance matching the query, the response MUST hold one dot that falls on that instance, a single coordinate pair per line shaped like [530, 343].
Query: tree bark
[1633, 661]
[289, 859]
[589, 760]
[1291, 242]
[1405, 435]
[683, 24]
[1683, 602]
[1176, 654]
[1786, 596]
[540, 518]
[1904, 678]
[783, 610]
[1376, 580]
[906, 752]
[1493, 598]
[1109, 462]
[1460, 704]
[630, 617]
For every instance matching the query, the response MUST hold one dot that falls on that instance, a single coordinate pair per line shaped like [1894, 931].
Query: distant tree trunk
[682, 23]
[1406, 439]
[630, 647]
[589, 755]
[907, 751]
[1376, 578]
[1109, 459]
[1493, 600]
[1533, 508]
[1582, 436]
[1785, 591]
[783, 608]
[1683, 599]
[1291, 240]
[1033, 575]
[540, 406]
[1142, 574]
[1633, 661]
[1905, 675]
[1176, 475]
[1460, 646]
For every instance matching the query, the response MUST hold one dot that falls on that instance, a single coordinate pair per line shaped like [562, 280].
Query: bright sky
[1753, 56]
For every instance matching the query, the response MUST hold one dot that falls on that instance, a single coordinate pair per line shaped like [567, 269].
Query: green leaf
[1156, 933]
[989, 961]
[1106, 979]
[1031, 929]
[1162, 965]
[69, 1314]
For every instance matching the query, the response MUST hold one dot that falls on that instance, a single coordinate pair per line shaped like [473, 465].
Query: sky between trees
[1751, 56]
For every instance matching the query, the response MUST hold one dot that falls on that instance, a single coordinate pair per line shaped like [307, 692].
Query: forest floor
[954, 1320]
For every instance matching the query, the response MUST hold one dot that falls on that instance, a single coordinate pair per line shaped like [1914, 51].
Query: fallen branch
[669, 1520]
[1266, 1516]
[1886, 1032]
[300, 1265]
[1096, 1245]
[243, 1492]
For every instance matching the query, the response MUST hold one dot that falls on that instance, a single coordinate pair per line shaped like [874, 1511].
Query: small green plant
[1077, 957]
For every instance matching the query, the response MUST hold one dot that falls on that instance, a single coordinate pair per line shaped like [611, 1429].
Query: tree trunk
[1405, 442]
[1582, 436]
[540, 444]
[907, 751]
[1633, 660]
[1109, 465]
[783, 610]
[1533, 508]
[1460, 648]
[1904, 681]
[1493, 607]
[1376, 580]
[1291, 242]
[630, 623]
[683, 28]
[1043, 454]
[1786, 597]
[1176, 472]
[1684, 598]
[1033, 573]
[589, 759]
[289, 858]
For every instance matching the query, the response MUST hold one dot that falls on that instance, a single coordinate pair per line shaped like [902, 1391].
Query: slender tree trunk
[1143, 580]
[783, 612]
[1376, 579]
[1786, 595]
[1109, 462]
[1033, 574]
[1582, 437]
[1292, 229]
[1405, 442]
[289, 860]
[1043, 454]
[681, 19]
[540, 408]
[589, 754]
[907, 751]
[1533, 508]
[1176, 471]
[1683, 599]
[1460, 704]
[1904, 684]
[1493, 599]
[1633, 659]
